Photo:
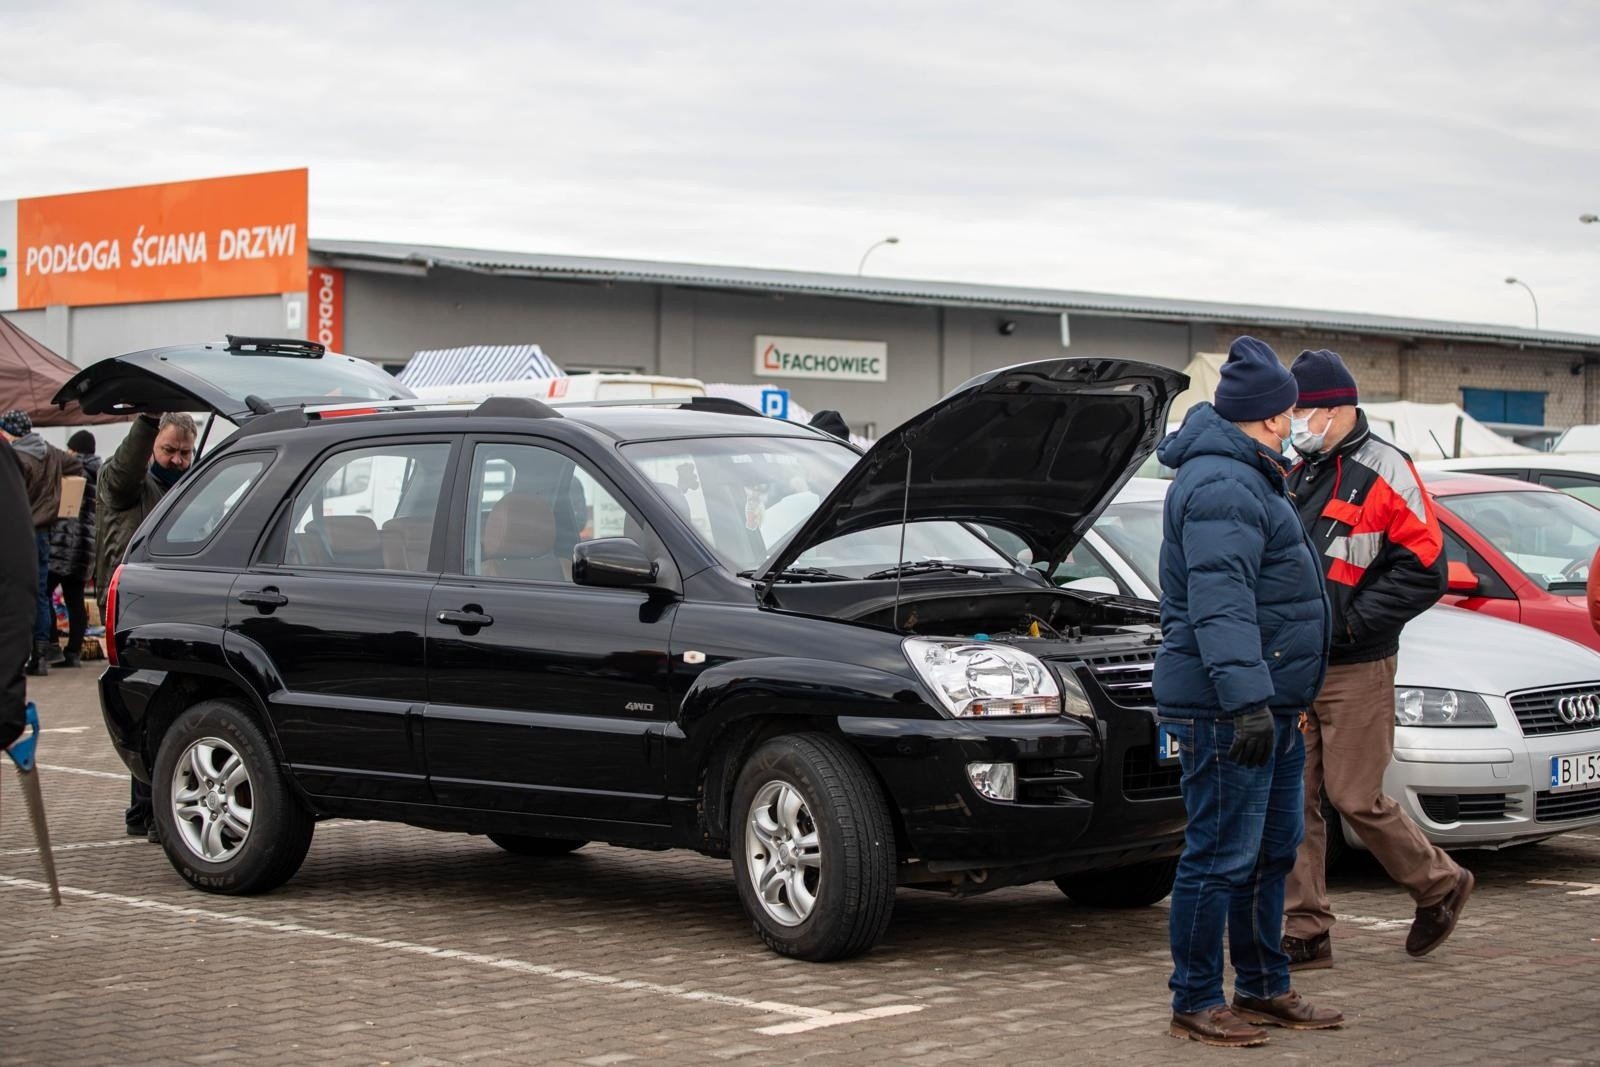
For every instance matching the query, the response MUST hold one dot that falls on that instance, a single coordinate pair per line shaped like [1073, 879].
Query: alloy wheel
[212, 802]
[784, 853]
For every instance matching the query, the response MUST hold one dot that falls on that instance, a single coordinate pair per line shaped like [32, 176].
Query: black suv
[657, 625]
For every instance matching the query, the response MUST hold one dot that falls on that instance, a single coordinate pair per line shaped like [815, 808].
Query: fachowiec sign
[821, 357]
[237, 236]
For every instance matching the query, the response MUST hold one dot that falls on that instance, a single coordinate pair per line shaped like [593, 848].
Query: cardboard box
[71, 497]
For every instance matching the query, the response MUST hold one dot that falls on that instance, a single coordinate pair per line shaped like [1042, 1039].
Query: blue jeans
[44, 623]
[1245, 825]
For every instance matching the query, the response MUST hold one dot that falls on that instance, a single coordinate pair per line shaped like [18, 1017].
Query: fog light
[997, 781]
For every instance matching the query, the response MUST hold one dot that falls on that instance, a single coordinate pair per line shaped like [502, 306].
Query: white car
[1497, 726]
[1574, 473]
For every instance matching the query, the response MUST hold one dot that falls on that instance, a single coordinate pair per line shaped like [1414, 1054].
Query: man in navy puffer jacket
[1244, 625]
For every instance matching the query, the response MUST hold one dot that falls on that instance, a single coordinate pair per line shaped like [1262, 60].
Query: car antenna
[1442, 453]
[900, 555]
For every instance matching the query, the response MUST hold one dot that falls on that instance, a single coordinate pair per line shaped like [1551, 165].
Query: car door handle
[468, 618]
[266, 599]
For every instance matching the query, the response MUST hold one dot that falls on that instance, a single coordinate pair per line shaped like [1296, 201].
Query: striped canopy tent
[477, 363]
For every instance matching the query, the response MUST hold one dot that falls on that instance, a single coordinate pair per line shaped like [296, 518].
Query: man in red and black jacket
[1382, 552]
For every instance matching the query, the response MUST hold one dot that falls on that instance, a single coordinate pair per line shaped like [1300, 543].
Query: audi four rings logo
[1576, 709]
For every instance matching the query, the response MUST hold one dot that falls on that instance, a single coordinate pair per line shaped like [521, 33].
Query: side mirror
[613, 563]
[1460, 578]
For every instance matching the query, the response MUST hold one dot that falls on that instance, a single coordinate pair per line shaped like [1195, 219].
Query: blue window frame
[1523, 407]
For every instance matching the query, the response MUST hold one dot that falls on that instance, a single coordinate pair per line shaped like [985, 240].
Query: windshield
[1133, 530]
[276, 377]
[1551, 537]
[745, 495]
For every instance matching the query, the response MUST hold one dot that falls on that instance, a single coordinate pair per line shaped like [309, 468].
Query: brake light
[342, 413]
[111, 616]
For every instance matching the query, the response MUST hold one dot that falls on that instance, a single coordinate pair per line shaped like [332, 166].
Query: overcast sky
[1390, 157]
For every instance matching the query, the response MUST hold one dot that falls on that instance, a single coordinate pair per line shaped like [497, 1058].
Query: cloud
[1397, 157]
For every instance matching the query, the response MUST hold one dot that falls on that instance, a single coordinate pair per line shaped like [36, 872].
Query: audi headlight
[1440, 707]
[976, 679]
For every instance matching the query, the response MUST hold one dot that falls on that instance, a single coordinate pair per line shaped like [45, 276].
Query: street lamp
[877, 244]
[1589, 217]
[1525, 285]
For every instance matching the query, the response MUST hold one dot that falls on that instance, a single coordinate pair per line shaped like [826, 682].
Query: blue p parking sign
[775, 403]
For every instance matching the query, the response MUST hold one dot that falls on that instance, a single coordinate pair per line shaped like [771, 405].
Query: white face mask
[1305, 442]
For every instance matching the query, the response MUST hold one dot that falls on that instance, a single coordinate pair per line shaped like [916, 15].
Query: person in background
[150, 460]
[1382, 551]
[72, 554]
[18, 593]
[1244, 627]
[831, 422]
[43, 465]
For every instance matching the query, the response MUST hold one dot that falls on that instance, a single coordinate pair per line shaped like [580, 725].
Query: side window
[1585, 488]
[1458, 551]
[196, 520]
[530, 505]
[1084, 563]
[369, 509]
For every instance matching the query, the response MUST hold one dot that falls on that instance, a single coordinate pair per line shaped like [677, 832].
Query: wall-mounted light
[1007, 327]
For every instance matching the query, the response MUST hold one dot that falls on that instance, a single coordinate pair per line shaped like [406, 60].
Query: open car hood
[1037, 449]
[237, 379]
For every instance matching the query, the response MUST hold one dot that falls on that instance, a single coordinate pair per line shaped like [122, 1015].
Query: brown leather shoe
[1433, 924]
[1219, 1026]
[1309, 953]
[1291, 1011]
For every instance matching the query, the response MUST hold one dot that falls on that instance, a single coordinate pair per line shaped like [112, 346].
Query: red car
[1518, 551]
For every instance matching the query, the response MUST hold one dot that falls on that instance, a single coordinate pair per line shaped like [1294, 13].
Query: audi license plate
[1166, 746]
[1574, 772]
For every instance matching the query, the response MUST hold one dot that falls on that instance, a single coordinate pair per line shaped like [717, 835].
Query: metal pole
[876, 244]
[1531, 296]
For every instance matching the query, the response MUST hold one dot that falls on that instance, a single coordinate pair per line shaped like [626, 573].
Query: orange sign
[238, 236]
[325, 294]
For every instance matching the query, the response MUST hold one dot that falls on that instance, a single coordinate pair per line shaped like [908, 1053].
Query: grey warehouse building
[903, 342]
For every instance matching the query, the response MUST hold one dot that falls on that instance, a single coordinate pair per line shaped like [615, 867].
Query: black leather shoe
[1309, 954]
[53, 654]
[1433, 924]
[138, 829]
[1220, 1026]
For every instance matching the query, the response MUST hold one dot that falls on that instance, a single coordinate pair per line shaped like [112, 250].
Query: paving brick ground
[396, 945]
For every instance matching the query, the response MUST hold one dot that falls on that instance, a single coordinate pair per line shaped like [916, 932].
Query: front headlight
[1440, 707]
[977, 679]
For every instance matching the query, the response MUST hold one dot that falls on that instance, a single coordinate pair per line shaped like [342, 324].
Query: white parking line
[805, 1018]
[63, 729]
[119, 842]
[123, 777]
[1574, 889]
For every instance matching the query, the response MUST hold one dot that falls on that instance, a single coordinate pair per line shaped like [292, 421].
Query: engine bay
[976, 609]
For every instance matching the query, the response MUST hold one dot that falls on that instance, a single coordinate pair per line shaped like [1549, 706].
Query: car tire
[230, 823]
[1137, 886]
[525, 845]
[811, 826]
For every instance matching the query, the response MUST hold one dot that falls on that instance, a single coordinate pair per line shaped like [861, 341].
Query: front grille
[1127, 677]
[1468, 807]
[1553, 807]
[1046, 781]
[1145, 779]
[1539, 711]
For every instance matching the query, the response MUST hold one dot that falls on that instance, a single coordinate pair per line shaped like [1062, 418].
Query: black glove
[1254, 732]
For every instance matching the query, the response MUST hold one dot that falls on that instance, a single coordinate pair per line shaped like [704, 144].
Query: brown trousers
[1349, 742]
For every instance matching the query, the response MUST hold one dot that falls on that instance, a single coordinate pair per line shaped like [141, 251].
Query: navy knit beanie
[1325, 382]
[1255, 384]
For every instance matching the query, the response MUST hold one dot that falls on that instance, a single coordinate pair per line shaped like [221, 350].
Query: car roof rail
[717, 404]
[515, 407]
[284, 419]
[276, 346]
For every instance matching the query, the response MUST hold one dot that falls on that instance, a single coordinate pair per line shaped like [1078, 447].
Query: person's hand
[1253, 735]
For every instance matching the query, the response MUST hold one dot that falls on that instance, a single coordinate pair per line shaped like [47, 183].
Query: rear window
[277, 378]
[205, 508]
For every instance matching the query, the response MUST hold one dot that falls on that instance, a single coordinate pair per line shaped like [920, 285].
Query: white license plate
[1166, 746]
[1574, 772]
